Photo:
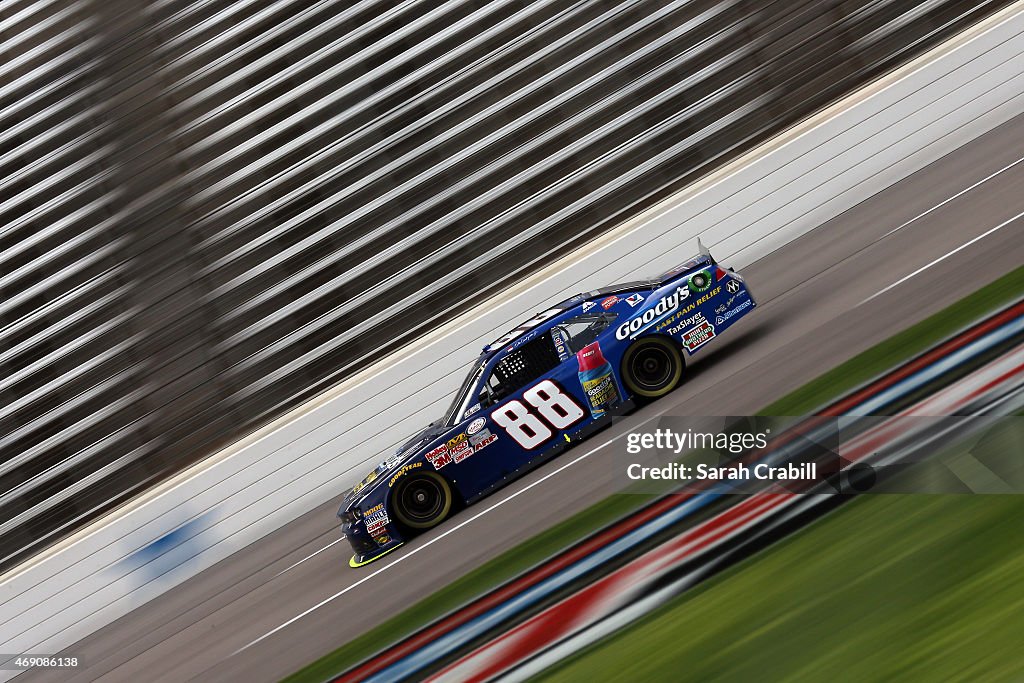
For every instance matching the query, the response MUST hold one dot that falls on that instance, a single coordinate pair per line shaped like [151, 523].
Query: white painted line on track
[413, 551]
[943, 257]
[309, 557]
[955, 196]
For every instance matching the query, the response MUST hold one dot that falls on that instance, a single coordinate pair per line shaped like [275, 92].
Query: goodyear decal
[403, 470]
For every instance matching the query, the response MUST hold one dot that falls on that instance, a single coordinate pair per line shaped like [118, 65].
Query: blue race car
[541, 388]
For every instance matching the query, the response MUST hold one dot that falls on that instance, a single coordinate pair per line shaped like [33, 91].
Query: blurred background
[212, 211]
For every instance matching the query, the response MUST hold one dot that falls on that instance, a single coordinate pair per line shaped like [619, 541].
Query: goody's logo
[664, 306]
[601, 387]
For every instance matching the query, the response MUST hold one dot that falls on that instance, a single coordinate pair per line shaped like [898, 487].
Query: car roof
[523, 328]
[562, 307]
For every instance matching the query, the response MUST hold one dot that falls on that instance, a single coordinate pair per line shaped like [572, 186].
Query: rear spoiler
[705, 252]
[702, 260]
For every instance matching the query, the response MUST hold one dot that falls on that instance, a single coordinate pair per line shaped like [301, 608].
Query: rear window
[582, 330]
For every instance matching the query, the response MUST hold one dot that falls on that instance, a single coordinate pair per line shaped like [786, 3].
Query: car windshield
[461, 402]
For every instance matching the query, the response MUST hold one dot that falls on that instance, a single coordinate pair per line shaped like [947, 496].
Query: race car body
[540, 389]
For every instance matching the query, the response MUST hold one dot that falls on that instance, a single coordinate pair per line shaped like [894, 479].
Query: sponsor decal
[370, 478]
[558, 335]
[699, 282]
[609, 302]
[599, 388]
[732, 287]
[483, 440]
[481, 436]
[587, 305]
[439, 457]
[596, 380]
[376, 508]
[475, 408]
[376, 521]
[634, 300]
[602, 394]
[709, 296]
[722, 309]
[459, 448]
[403, 470]
[522, 340]
[734, 312]
[664, 306]
[667, 321]
[703, 333]
[476, 425]
[695, 319]
[384, 539]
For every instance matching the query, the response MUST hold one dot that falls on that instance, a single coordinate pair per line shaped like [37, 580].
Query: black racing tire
[422, 500]
[652, 367]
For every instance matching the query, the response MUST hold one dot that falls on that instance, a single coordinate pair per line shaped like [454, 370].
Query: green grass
[909, 588]
[529, 553]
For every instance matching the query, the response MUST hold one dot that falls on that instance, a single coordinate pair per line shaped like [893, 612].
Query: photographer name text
[734, 472]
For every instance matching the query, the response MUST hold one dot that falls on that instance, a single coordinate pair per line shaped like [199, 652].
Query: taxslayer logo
[696, 319]
[665, 305]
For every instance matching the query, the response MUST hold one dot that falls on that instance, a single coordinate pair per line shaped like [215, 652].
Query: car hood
[405, 452]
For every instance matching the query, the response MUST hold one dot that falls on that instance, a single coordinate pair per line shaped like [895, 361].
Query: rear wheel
[422, 500]
[652, 367]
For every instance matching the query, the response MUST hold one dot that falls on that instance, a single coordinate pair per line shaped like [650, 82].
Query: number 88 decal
[556, 407]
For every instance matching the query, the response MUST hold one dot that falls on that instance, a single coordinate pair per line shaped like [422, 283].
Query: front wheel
[652, 367]
[422, 500]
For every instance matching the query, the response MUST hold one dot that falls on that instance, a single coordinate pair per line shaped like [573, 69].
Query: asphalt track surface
[280, 604]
